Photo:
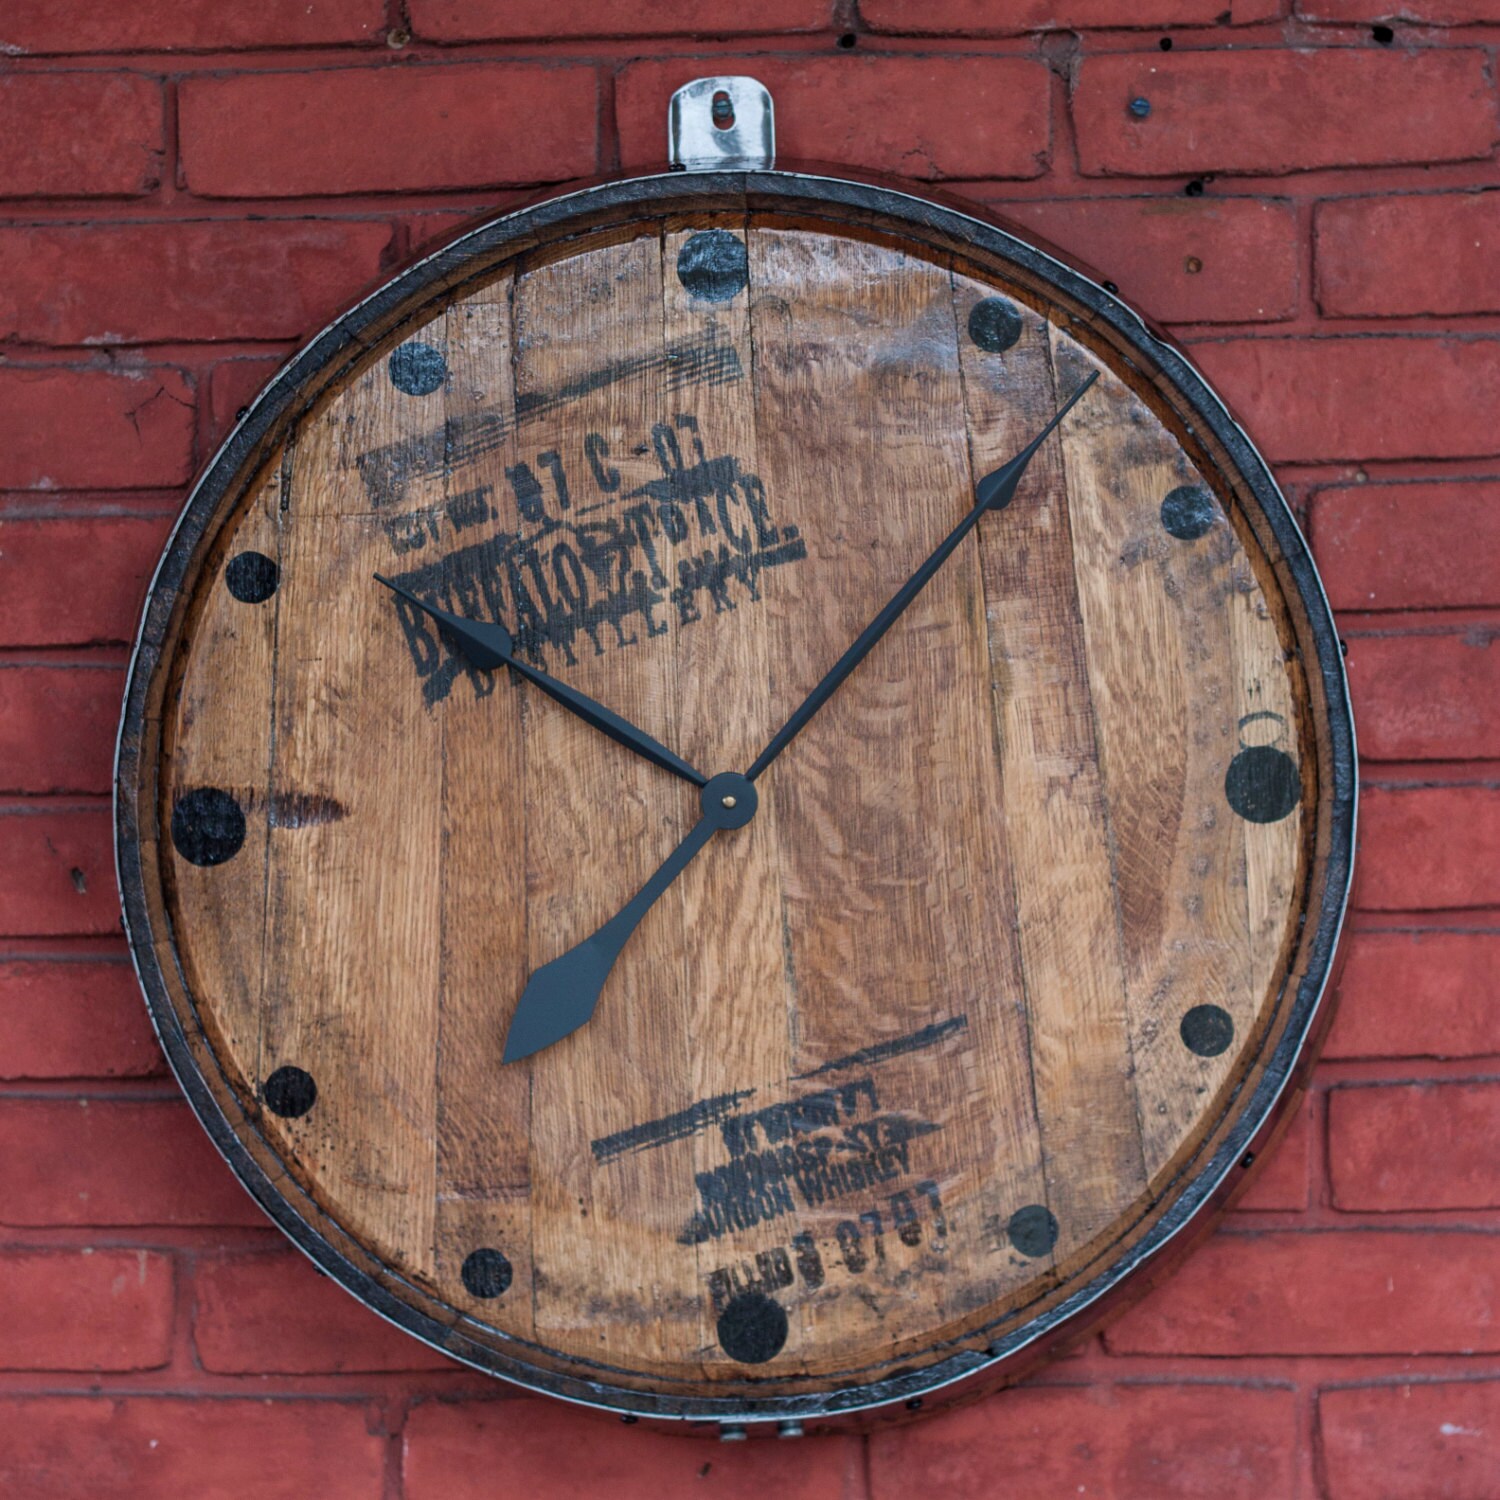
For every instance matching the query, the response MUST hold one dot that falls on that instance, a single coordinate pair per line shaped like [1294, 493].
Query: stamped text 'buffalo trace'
[591, 561]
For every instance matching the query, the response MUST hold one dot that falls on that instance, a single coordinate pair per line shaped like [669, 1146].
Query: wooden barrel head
[1020, 950]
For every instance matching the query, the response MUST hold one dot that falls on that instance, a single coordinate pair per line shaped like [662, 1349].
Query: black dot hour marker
[251, 577]
[1262, 784]
[1188, 512]
[752, 1328]
[208, 826]
[486, 1273]
[289, 1092]
[1032, 1230]
[417, 369]
[1207, 1030]
[713, 265]
[994, 324]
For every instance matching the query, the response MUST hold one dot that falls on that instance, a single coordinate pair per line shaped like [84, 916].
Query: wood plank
[234, 640]
[351, 987]
[738, 989]
[1161, 667]
[1267, 717]
[600, 820]
[899, 908]
[1056, 818]
[483, 1208]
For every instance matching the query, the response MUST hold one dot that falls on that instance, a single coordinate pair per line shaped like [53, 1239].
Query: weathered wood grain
[1155, 609]
[236, 643]
[484, 1111]
[1057, 818]
[353, 946]
[902, 1063]
[899, 908]
[738, 986]
[627, 1289]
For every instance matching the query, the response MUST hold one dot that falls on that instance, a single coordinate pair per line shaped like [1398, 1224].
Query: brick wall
[1311, 203]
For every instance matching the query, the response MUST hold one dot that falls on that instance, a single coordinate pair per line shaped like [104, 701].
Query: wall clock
[820, 855]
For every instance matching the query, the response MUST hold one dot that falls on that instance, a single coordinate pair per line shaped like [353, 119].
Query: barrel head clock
[736, 795]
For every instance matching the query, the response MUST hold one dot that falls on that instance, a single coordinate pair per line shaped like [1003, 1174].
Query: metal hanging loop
[721, 124]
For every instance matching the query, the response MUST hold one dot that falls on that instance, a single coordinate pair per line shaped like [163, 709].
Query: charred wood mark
[916, 1218]
[387, 471]
[573, 571]
[776, 1122]
[913, 1041]
[817, 1150]
[676, 1127]
[781, 1122]
[303, 810]
[766, 1185]
[770, 1271]
[414, 530]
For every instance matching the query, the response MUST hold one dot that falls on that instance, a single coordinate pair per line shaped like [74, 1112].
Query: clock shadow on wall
[820, 855]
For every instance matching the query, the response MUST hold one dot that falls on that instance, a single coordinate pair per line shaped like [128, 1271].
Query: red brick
[79, 135]
[85, 1310]
[1427, 697]
[241, 1325]
[94, 429]
[110, 1161]
[99, 564]
[1359, 399]
[1280, 1182]
[892, 113]
[1418, 994]
[1409, 546]
[57, 872]
[1157, 1441]
[183, 25]
[1437, 12]
[57, 727]
[1280, 111]
[167, 1448]
[143, 283]
[1405, 1146]
[1356, 1292]
[507, 20]
[74, 1020]
[984, 18]
[1409, 255]
[278, 135]
[1440, 1441]
[1246, 251]
[1428, 848]
[427, 231]
[481, 1449]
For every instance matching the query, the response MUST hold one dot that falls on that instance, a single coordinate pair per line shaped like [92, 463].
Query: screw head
[728, 800]
[1140, 108]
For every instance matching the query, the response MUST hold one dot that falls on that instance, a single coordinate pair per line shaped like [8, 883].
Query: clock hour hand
[489, 645]
[994, 492]
[561, 995]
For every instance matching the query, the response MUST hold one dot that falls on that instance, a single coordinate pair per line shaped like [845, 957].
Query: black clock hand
[994, 491]
[561, 995]
[491, 646]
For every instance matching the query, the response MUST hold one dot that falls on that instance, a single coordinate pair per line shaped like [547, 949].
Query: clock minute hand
[561, 995]
[994, 492]
[489, 645]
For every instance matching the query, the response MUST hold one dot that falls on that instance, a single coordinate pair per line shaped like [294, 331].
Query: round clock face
[999, 984]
